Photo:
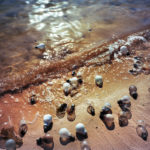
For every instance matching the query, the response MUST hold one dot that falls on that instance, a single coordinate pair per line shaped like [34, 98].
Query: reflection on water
[65, 26]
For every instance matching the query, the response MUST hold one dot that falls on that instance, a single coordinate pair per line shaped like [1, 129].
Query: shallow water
[67, 27]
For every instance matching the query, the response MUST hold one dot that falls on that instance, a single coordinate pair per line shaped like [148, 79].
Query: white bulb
[124, 50]
[109, 120]
[41, 46]
[98, 80]
[109, 117]
[79, 74]
[107, 104]
[64, 133]
[80, 128]
[66, 87]
[74, 82]
[47, 119]
[126, 98]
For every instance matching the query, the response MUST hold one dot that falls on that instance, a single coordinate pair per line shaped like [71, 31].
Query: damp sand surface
[50, 94]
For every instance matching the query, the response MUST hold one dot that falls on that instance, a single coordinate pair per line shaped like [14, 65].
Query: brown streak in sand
[51, 69]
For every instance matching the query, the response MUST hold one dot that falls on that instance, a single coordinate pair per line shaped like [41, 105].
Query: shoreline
[116, 83]
[48, 70]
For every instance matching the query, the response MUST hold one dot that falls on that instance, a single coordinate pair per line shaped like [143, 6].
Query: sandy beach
[117, 79]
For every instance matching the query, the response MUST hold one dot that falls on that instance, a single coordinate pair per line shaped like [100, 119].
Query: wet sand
[95, 54]
[116, 83]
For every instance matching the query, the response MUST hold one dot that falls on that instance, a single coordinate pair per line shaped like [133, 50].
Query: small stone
[124, 50]
[41, 46]
[45, 142]
[91, 110]
[99, 81]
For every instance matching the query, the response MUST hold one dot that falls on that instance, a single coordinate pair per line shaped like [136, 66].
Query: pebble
[124, 50]
[41, 46]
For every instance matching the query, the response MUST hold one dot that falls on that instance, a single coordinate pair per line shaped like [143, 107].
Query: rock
[91, 110]
[65, 136]
[99, 81]
[74, 82]
[66, 88]
[109, 121]
[105, 110]
[10, 144]
[141, 130]
[133, 91]
[124, 50]
[46, 142]
[47, 119]
[71, 112]
[61, 109]
[81, 132]
[122, 118]
[146, 69]
[125, 103]
[40, 46]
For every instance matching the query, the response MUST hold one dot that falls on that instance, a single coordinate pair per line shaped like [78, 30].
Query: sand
[116, 83]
